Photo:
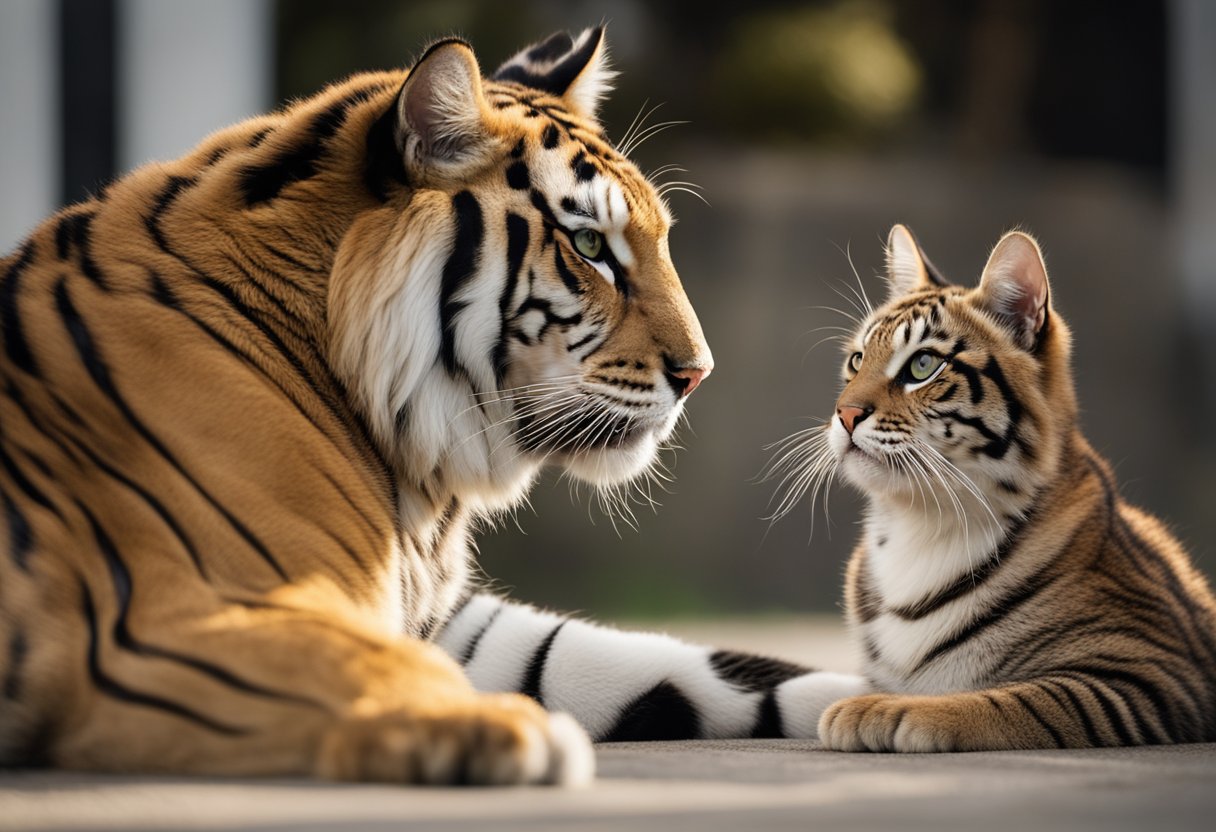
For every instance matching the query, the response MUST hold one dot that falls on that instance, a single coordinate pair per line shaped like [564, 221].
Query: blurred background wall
[812, 127]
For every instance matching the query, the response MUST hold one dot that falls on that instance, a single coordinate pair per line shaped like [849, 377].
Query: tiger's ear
[908, 270]
[575, 70]
[441, 113]
[1014, 287]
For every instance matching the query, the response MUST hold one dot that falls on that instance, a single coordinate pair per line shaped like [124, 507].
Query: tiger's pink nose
[851, 416]
[687, 379]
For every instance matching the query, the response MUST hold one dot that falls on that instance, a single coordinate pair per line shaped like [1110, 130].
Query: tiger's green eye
[923, 365]
[589, 243]
[855, 361]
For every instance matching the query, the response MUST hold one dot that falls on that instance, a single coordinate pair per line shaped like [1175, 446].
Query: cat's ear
[573, 69]
[1014, 287]
[908, 270]
[441, 113]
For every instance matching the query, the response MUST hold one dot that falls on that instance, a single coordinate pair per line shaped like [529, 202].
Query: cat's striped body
[1003, 593]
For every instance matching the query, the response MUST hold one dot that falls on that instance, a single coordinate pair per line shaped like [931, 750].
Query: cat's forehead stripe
[909, 337]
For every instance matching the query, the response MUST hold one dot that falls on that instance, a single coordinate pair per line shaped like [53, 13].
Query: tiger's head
[518, 303]
[956, 402]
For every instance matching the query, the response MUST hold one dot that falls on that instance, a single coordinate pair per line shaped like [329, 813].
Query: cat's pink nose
[852, 415]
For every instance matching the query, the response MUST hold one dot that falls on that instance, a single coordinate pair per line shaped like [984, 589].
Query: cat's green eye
[855, 362]
[589, 243]
[923, 365]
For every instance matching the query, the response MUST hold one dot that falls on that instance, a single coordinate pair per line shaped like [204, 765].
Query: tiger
[255, 401]
[1003, 595]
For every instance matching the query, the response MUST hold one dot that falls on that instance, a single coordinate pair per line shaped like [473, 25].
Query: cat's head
[954, 390]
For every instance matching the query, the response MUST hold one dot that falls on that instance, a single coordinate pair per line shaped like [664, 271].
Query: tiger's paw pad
[882, 722]
[502, 740]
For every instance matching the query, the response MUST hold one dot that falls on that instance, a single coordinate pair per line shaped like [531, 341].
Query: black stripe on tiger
[517, 247]
[10, 468]
[459, 269]
[568, 278]
[21, 536]
[470, 649]
[385, 167]
[18, 649]
[111, 687]
[165, 295]
[558, 78]
[75, 230]
[90, 356]
[15, 345]
[769, 725]
[534, 304]
[662, 713]
[582, 342]
[262, 183]
[174, 188]
[518, 177]
[751, 672]
[153, 502]
[536, 666]
[123, 589]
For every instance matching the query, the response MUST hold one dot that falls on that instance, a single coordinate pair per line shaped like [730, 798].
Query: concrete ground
[673, 786]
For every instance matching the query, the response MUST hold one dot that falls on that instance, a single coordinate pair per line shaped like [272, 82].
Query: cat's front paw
[495, 740]
[887, 722]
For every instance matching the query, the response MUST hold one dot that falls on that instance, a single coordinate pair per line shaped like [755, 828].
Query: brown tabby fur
[1087, 624]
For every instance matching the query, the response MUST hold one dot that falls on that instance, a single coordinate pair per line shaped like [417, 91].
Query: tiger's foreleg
[634, 685]
[1066, 710]
[277, 690]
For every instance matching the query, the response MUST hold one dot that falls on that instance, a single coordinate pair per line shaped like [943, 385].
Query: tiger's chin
[619, 459]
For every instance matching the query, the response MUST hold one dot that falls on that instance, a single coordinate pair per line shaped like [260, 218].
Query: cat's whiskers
[957, 474]
[806, 461]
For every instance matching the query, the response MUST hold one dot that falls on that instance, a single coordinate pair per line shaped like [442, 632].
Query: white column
[29, 100]
[187, 68]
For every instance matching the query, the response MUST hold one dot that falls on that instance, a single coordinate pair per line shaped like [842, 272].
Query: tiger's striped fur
[1004, 594]
[253, 399]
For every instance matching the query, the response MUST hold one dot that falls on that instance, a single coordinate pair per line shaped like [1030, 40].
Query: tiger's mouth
[579, 433]
[594, 441]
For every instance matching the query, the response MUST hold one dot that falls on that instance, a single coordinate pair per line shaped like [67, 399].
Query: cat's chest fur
[911, 570]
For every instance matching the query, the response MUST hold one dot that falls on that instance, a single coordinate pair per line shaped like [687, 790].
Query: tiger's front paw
[495, 740]
[886, 722]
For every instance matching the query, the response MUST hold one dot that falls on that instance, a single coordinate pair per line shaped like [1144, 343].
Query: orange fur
[214, 558]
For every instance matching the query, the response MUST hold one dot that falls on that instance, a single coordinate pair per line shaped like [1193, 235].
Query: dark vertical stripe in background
[87, 95]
